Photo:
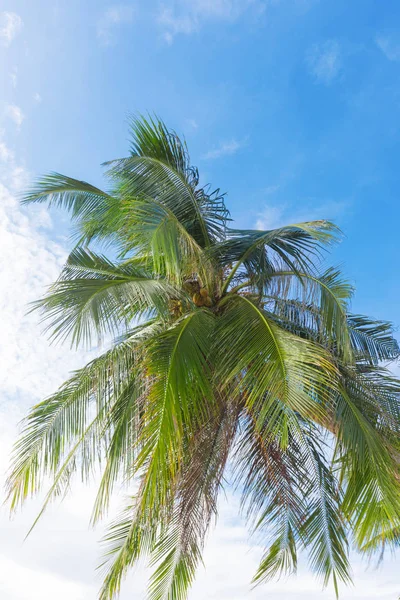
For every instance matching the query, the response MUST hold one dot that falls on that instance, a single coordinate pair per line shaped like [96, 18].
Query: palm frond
[367, 454]
[151, 229]
[372, 340]
[159, 168]
[179, 550]
[260, 252]
[274, 484]
[269, 364]
[121, 428]
[63, 419]
[130, 536]
[93, 296]
[324, 530]
[94, 211]
[150, 137]
[324, 299]
[61, 191]
[181, 394]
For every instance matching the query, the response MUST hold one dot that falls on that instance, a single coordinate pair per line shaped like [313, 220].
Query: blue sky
[295, 103]
[290, 106]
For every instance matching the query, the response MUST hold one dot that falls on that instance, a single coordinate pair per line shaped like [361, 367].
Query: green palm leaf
[179, 550]
[274, 484]
[372, 340]
[78, 197]
[259, 252]
[270, 365]
[181, 394]
[95, 295]
[328, 295]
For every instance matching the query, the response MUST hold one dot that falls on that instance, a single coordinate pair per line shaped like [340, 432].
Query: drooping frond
[121, 426]
[268, 364]
[61, 421]
[173, 532]
[130, 536]
[372, 340]
[325, 300]
[324, 529]
[367, 417]
[179, 550]
[259, 253]
[274, 484]
[93, 296]
[78, 197]
[180, 398]
[291, 497]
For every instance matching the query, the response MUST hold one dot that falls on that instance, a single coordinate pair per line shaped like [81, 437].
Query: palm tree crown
[231, 346]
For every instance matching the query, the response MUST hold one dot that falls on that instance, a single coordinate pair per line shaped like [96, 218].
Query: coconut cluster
[202, 298]
[176, 308]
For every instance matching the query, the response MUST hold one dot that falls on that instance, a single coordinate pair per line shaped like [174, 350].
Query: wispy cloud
[224, 149]
[271, 189]
[37, 97]
[113, 17]
[271, 217]
[390, 46]
[188, 16]
[325, 61]
[14, 113]
[10, 26]
[31, 260]
[14, 77]
[12, 175]
[277, 215]
[175, 24]
[6, 154]
[192, 123]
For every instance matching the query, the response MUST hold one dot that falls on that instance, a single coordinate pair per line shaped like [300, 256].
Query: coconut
[197, 299]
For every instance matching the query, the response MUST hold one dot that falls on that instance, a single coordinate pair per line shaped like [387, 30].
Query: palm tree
[232, 347]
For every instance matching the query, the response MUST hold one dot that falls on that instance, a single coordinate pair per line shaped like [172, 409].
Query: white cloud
[10, 26]
[174, 24]
[14, 77]
[192, 123]
[271, 217]
[24, 582]
[15, 114]
[225, 149]
[114, 16]
[29, 370]
[274, 216]
[188, 16]
[324, 61]
[12, 175]
[271, 189]
[390, 46]
[30, 262]
[37, 97]
[6, 154]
